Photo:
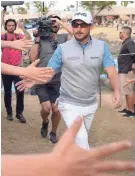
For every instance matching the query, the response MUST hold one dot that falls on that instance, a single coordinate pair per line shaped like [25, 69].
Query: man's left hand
[25, 84]
[21, 25]
[57, 21]
[116, 99]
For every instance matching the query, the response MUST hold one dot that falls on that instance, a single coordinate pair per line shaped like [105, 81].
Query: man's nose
[79, 27]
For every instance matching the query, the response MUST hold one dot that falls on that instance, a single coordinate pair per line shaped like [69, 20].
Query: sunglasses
[82, 25]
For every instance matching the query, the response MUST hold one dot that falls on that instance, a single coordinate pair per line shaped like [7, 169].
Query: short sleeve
[56, 60]
[107, 57]
[131, 47]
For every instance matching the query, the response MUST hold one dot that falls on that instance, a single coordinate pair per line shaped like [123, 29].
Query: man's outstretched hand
[80, 162]
[35, 75]
[68, 159]
[22, 44]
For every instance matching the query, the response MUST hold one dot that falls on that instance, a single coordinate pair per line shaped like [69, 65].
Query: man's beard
[11, 32]
[86, 36]
[54, 30]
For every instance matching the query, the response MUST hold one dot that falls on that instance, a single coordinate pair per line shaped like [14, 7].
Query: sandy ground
[111, 32]
[108, 126]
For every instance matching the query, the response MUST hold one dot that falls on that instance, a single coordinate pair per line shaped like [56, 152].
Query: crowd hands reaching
[67, 158]
[31, 72]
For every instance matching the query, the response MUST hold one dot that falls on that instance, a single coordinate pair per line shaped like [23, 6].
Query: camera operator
[44, 49]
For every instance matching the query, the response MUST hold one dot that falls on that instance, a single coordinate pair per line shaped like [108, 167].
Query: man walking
[80, 61]
[13, 57]
[44, 49]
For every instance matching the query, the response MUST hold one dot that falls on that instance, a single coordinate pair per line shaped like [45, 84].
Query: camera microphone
[4, 4]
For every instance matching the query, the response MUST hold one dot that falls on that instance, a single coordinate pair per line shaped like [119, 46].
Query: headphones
[10, 20]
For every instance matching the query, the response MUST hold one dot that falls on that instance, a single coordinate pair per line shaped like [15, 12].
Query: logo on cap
[79, 13]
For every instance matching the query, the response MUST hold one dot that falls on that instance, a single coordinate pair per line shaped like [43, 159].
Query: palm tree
[27, 4]
[100, 5]
[22, 10]
[42, 7]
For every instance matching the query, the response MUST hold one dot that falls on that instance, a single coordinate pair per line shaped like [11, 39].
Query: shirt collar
[126, 40]
[88, 42]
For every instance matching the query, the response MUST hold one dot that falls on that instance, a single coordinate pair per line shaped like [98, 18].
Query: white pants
[69, 114]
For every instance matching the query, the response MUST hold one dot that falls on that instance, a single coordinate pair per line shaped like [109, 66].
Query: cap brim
[80, 20]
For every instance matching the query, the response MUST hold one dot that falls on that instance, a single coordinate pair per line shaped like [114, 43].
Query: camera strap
[5, 37]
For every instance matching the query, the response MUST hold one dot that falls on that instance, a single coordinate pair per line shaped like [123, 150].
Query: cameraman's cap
[84, 16]
[54, 16]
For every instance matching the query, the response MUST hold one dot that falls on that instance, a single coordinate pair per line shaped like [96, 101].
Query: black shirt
[125, 61]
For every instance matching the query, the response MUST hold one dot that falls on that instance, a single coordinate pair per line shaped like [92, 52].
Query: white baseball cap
[84, 16]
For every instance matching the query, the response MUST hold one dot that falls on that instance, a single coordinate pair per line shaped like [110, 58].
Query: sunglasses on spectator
[82, 25]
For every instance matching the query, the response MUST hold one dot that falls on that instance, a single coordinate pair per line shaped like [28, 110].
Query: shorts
[48, 92]
[128, 90]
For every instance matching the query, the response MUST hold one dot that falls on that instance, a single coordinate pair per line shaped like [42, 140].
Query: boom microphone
[11, 3]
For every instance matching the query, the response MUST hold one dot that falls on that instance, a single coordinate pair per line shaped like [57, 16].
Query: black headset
[10, 20]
